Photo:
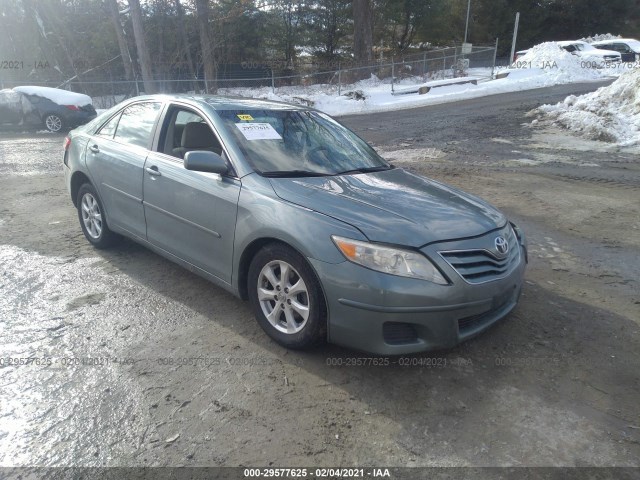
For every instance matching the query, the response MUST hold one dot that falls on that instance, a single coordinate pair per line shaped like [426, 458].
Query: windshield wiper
[381, 168]
[294, 173]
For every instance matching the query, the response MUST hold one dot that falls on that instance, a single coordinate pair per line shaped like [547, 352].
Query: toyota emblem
[502, 246]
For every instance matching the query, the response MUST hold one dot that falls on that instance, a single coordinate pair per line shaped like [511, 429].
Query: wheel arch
[77, 180]
[252, 249]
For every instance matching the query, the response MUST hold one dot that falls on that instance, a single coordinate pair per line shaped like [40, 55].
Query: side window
[187, 131]
[109, 128]
[136, 123]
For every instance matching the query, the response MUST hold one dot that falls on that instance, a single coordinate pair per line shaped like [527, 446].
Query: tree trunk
[202, 13]
[43, 41]
[127, 63]
[184, 39]
[141, 46]
[363, 31]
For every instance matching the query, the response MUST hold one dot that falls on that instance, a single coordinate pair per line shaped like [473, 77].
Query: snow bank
[544, 65]
[610, 114]
[61, 97]
[560, 65]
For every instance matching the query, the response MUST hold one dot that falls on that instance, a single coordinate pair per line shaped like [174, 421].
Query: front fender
[263, 215]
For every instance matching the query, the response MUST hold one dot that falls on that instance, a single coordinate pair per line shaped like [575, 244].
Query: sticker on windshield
[245, 117]
[258, 131]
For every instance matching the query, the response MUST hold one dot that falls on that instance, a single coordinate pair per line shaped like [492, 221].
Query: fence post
[424, 60]
[393, 73]
[444, 64]
[495, 53]
[339, 79]
[273, 82]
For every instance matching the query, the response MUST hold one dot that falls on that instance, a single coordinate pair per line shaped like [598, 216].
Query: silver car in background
[285, 207]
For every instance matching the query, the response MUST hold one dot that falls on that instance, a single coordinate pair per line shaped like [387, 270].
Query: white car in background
[589, 52]
[628, 48]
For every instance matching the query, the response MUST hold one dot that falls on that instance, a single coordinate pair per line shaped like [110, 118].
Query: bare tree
[127, 63]
[184, 39]
[363, 30]
[202, 12]
[141, 47]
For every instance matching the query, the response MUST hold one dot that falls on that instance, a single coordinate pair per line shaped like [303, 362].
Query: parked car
[628, 48]
[589, 52]
[52, 108]
[283, 206]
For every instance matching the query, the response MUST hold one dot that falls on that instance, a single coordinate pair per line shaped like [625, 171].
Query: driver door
[191, 215]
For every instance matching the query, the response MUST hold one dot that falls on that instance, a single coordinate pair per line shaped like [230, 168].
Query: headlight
[394, 261]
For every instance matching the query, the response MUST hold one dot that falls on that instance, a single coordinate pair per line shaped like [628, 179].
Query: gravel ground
[139, 362]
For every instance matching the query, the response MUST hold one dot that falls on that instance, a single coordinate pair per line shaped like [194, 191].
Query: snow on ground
[543, 66]
[610, 114]
[61, 97]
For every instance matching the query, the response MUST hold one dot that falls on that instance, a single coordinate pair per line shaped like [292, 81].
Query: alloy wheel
[91, 216]
[283, 297]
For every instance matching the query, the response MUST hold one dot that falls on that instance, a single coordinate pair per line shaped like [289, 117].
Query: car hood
[393, 206]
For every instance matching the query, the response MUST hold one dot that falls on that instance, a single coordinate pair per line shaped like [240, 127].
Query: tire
[53, 123]
[279, 310]
[92, 218]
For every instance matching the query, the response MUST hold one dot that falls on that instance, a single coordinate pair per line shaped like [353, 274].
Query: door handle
[94, 148]
[153, 171]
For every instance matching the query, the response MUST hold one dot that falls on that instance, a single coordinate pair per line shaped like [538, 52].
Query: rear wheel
[53, 122]
[92, 218]
[286, 297]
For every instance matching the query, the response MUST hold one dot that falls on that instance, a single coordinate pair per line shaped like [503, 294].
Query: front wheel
[92, 217]
[286, 297]
[53, 122]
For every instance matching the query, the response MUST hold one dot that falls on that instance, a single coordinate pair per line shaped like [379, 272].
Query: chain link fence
[306, 76]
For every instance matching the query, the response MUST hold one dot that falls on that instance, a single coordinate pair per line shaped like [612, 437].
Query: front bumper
[389, 315]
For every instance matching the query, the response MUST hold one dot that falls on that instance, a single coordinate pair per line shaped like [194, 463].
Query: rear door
[115, 158]
[191, 215]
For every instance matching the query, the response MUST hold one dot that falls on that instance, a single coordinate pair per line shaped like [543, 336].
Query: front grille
[398, 333]
[481, 265]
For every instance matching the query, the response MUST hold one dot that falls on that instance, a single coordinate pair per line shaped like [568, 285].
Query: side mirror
[203, 161]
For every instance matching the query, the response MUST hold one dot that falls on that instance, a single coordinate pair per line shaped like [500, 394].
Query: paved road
[151, 365]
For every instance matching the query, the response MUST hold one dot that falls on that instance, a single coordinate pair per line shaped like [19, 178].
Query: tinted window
[136, 123]
[109, 128]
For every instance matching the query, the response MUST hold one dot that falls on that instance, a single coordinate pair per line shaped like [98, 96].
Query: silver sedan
[285, 207]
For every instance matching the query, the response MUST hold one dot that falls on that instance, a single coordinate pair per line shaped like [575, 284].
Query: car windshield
[635, 45]
[299, 143]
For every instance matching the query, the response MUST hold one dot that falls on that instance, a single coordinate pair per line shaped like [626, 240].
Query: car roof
[219, 102]
[615, 40]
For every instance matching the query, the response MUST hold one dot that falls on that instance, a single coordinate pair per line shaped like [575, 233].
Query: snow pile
[560, 65]
[600, 37]
[610, 114]
[61, 97]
